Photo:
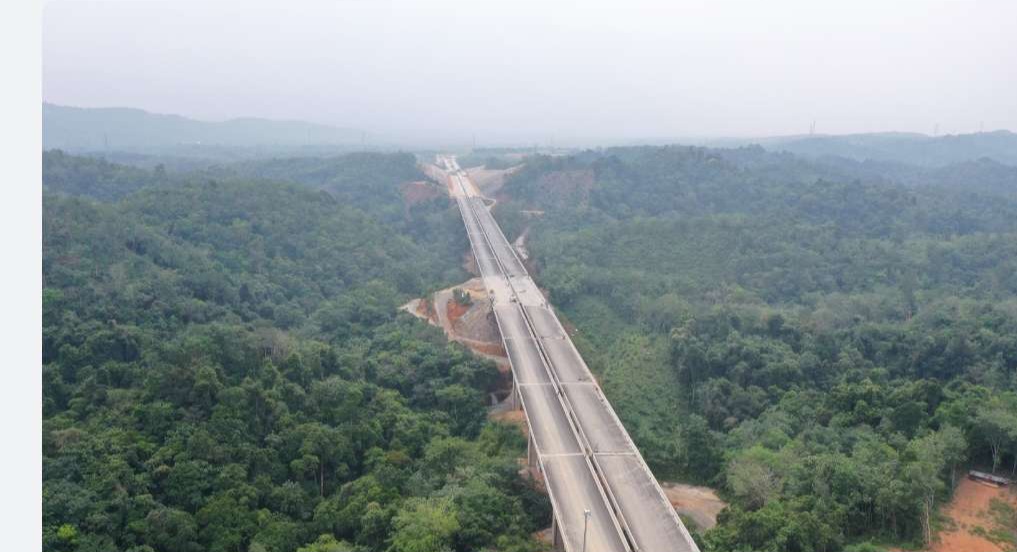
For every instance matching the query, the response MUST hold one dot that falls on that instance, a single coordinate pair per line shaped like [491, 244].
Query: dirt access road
[971, 517]
[974, 516]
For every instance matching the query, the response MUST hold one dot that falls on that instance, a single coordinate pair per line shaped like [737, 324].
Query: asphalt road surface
[587, 458]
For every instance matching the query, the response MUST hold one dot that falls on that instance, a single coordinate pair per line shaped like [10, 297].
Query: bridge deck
[587, 457]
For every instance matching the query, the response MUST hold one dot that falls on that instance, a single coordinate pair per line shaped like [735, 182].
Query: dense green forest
[827, 342]
[224, 367]
[488, 160]
[95, 177]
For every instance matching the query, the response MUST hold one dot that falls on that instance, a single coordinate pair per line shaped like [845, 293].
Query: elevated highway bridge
[605, 498]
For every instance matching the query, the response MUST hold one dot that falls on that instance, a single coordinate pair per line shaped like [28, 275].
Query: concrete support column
[557, 542]
[531, 451]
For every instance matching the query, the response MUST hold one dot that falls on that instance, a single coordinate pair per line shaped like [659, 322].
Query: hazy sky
[521, 70]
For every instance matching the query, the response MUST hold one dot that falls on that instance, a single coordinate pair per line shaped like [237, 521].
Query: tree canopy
[224, 369]
[826, 341]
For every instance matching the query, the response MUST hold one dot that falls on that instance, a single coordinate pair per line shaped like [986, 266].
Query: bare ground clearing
[489, 181]
[700, 504]
[972, 526]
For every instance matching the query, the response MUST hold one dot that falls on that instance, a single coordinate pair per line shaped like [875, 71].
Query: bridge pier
[557, 542]
[531, 450]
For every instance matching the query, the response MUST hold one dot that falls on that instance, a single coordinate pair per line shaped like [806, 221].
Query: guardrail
[602, 487]
[490, 233]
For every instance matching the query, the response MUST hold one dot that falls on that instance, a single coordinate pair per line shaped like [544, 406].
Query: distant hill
[984, 176]
[125, 129]
[914, 149]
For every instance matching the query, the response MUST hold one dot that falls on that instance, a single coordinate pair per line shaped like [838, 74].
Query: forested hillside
[405, 204]
[826, 342]
[224, 369]
[95, 178]
[348, 177]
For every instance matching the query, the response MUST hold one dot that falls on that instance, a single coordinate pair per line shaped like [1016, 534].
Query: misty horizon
[529, 73]
[472, 137]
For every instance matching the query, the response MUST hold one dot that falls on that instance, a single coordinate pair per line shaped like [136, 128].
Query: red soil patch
[454, 311]
[416, 192]
[699, 503]
[490, 181]
[425, 308]
[969, 509]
